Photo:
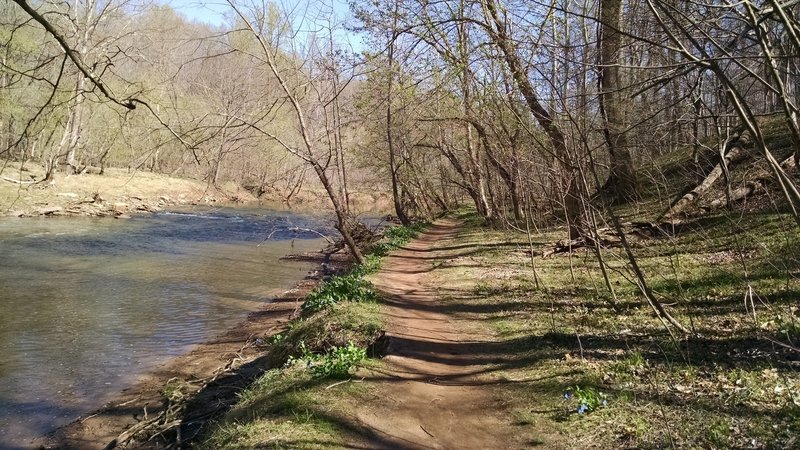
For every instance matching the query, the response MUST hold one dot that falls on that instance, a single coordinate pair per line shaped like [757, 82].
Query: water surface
[87, 304]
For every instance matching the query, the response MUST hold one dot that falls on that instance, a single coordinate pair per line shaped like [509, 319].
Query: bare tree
[257, 21]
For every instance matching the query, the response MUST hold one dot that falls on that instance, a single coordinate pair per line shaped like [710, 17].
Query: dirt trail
[435, 391]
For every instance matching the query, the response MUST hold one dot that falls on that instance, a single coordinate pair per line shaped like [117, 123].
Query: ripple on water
[87, 305]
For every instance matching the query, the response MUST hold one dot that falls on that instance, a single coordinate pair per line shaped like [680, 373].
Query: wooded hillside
[523, 109]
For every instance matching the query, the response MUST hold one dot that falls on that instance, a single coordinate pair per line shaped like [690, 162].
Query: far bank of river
[89, 306]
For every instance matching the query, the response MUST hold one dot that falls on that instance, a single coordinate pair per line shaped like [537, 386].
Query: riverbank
[116, 193]
[211, 374]
[119, 193]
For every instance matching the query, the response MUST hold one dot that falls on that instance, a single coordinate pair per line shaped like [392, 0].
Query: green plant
[338, 361]
[352, 287]
[630, 364]
[306, 356]
[718, 433]
[401, 235]
[372, 263]
[381, 249]
[787, 325]
[589, 399]
[303, 417]
[482, 289]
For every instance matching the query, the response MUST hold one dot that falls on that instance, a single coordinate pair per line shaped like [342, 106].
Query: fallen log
[750, 187]
[11, 180]
[736, 195]
[735, 153]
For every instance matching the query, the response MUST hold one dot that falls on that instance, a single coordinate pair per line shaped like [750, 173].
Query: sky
[210, 12]
[214, 12]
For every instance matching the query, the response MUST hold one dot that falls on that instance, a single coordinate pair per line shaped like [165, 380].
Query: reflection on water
[88, 304]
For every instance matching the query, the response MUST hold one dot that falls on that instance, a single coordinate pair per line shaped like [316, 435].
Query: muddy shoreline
[232, 360]
[122, 208]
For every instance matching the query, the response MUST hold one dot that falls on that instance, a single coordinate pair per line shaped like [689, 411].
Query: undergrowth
[352, 286]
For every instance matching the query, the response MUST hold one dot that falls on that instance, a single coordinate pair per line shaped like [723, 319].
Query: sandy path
[434, 388]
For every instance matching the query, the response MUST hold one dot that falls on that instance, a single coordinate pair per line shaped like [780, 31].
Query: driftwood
[172, 416]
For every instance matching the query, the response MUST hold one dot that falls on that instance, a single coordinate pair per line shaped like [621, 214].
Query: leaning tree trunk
[398, 204]
[498, 31]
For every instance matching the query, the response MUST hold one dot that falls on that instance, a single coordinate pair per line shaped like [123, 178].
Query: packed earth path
[436, 385]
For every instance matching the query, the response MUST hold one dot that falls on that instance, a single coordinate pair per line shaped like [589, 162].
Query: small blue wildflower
[604, 402]
[582, 408]
[567, 395]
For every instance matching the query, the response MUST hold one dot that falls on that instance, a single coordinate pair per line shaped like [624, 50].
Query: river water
[87, 305]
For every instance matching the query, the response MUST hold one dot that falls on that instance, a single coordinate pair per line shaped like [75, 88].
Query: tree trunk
[474, 170]
[76, 119]
[572, 195]
[621, 183]
[398, 205]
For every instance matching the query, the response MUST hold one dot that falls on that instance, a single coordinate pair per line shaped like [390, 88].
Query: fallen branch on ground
[11, 180]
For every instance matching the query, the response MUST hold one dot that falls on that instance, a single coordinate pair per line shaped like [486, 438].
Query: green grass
[285, 408]
[336, 326]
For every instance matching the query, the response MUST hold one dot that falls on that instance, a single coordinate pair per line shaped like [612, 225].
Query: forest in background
[526, 109]
[532, 112]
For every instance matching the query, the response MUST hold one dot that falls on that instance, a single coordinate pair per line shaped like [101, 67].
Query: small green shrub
[400, 235]
[371, 264]
[338, 362]
[381, 249]
[351, 287]
[277, 339]
[718, 433]
[631, 364]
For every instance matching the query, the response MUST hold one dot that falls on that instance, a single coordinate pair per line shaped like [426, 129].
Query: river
[87, 305]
